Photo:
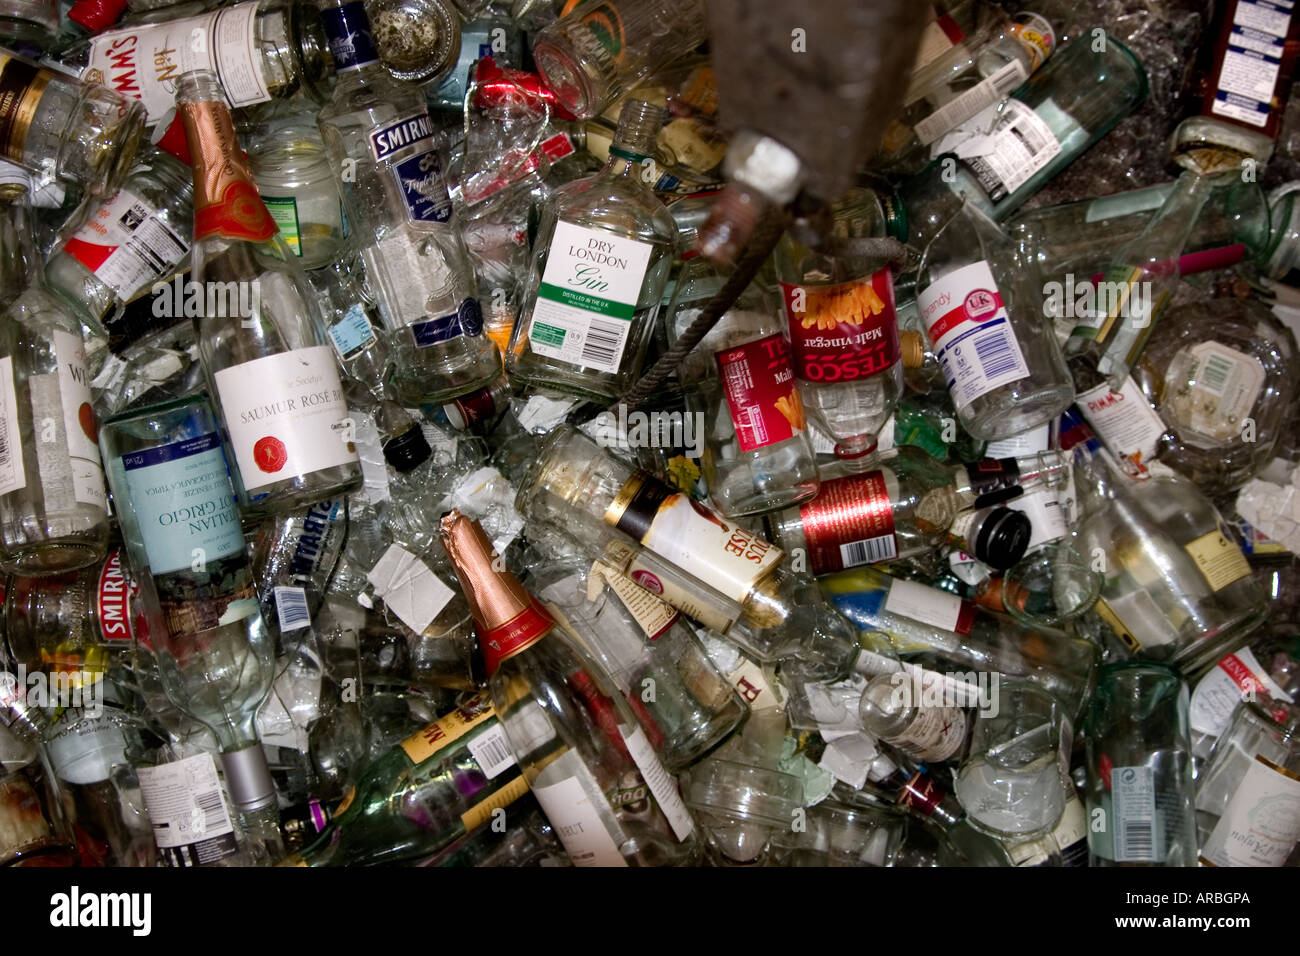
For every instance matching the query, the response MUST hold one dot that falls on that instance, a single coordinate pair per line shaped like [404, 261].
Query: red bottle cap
[96, 15]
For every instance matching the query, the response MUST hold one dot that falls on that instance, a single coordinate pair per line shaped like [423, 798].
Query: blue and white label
[407, 147]
[352, 333]
[407, 131]
[348, 30]
[184, 502]
[438, 330]
[1251, 64]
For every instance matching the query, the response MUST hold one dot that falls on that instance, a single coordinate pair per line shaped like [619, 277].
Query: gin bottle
[601, 259]
[273, 380]
[53, 515]
[380, 141]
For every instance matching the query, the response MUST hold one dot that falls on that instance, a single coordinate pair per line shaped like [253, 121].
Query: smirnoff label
[145, 62]
[406, 147]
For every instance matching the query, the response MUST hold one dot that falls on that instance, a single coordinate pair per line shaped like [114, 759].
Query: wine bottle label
[628, 562]
[971, 333]
[1125, 421]
[71, 474]
[473, 409]
[654, 616]
[352, 334]
[931, 606]
[688, 535]
[1020, 144]
[447, 729]
[1071, 833]
[183, 502]
[1218, 559]
[286, 416]
[127, 244]
[1026, 443]
[144, 62]
[21, 87]
[191, 823]
[514, 636]
[1261, 823]
[935, 734]
[575, 821]
[1217, 694]
[1211, 389]
[588, 296]
[851, 522]
[663, 786]
[1138, 828]
[993, 481]
[759, 384]
[1137, 620]
[406, 148]
[13, 476]
[959, 109]
[845, 332]
[1046, 516]
[1246, 78]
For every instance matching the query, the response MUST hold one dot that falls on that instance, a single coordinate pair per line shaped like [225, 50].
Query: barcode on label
[868, 551]
[1136, 841]
[214, 810]
[492, 752]
[1215, 374]
[4, 441]
[291, 608]
[603, 344]
[996, 354]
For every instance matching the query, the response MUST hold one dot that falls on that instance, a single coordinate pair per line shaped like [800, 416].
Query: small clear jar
[895, 709]
[295, 180]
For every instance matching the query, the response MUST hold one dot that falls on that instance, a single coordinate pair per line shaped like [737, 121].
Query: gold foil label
[21, 87]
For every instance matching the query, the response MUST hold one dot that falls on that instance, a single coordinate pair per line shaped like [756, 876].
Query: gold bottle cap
[912, 347]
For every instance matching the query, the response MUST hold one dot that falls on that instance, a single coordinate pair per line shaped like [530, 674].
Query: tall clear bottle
[582, 752]
[600, 261]
[380, 141]
[53, 510]
[1003, 365]
[274, 382]
[175, 502]
[839, 304]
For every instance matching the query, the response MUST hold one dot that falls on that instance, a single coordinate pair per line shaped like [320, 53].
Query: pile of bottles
[463, 433]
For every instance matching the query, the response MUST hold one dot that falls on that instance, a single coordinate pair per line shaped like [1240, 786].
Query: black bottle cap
[1002, 538]
[408, 450]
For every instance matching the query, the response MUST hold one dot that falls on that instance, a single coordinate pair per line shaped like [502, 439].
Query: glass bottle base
[47, 558]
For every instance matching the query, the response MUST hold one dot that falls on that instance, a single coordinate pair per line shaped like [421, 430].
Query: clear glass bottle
[274, 384]
[30, 22]
[176, 505]
[740, 384]
[591, 57]
[1248, 795]
[1139, 759]
[600, 261]
[380, 141]
[76, 131]
[843, 329]
[1084, 90]
[53, 509]
[585, 758]
[1176, 587]
[294, 178]
[1005, 370]
[132, 240]
[889, 710]
[260, 49]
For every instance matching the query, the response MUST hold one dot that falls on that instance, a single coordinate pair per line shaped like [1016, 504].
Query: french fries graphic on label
[852, 303]
[792, 409]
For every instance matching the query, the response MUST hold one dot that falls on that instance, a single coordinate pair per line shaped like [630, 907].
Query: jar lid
[417, 40]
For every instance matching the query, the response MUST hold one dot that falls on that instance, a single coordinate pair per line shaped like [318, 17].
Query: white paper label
[187, 811]
[1124, 420]
[588, 296]
[1252, 61]
[541, 413]
[1134, 798]
[87, 475]
[920, 603]
[1217, 694]
[409, 589]
[1020, 144]
[1214, 389]
[751, 684]
[1046, 519]
[661, 783]
[12, 476]
[971, 333]
[286, 415]
[145, 62]
[577, 824]
[1026, 443]
[126, 244]
[1261, 823]
[972, 101]
[291, 608]
[491, 751]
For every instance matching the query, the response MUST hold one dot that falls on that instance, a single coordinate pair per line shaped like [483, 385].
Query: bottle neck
[17, 244]
[347, 28]
[624, 164]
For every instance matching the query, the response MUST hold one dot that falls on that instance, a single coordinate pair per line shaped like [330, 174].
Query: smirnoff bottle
[601, 259]
[274, 381]
[379, 138]
[53, 515]
[582, 752]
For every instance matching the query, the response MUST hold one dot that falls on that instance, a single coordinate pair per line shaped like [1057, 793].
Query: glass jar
[294, 179]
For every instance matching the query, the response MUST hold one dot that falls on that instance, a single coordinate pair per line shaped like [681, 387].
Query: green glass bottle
[433, 788]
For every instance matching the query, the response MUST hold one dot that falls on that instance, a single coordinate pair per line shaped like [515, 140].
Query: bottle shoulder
[614, 206]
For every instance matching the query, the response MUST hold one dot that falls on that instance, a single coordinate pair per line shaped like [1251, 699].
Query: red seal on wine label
[86, 416]
[270, 454]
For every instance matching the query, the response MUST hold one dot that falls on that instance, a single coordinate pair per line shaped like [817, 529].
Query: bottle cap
[912, 346]
[1002, 538]
[96, 15]
[408, 450]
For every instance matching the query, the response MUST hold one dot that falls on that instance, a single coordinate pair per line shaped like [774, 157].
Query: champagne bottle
[273, 381]
[582, 752]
